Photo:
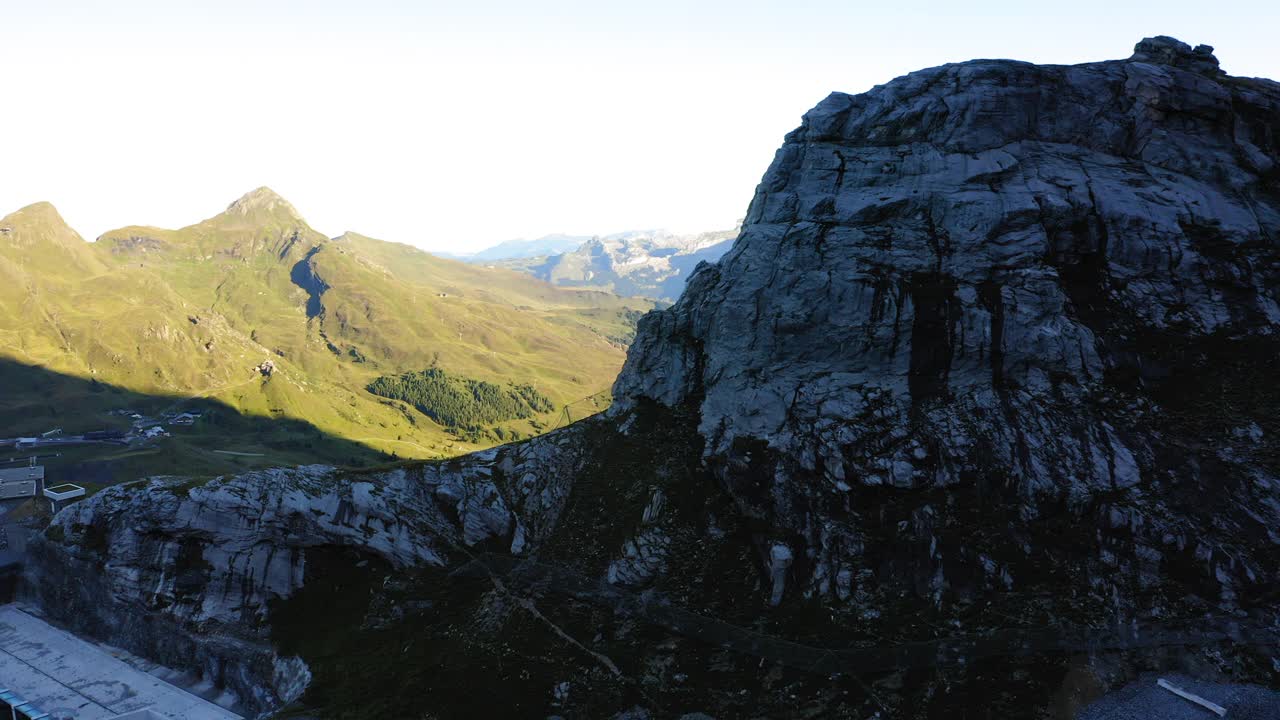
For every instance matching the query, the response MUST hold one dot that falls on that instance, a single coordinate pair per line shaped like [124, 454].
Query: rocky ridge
[189, 568]
[990, 356]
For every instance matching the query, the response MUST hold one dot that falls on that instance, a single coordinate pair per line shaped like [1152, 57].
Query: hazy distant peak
[351, 235]
[546, 245]
[355, 239]
[263, 199]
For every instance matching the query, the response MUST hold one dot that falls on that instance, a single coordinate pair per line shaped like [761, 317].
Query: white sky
[456, 125]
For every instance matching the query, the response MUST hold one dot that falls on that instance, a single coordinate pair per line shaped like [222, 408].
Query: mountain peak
[43, 206]
[41, 214]
[42, 209]
[262, 199]
[39, 238]
[1165, 50]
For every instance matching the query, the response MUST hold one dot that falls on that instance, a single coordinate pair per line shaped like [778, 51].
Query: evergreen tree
[462, 403]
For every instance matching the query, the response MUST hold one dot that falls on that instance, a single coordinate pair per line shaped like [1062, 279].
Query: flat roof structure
[67, 677]
[22, 473]
[65, 491]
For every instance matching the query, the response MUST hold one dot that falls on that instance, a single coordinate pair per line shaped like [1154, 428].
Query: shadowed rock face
[183, 571]
[993, 351]
[986, 273]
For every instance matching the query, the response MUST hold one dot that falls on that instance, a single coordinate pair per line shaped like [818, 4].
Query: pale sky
[456, 125]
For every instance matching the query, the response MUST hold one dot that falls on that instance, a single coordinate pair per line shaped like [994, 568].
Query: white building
[59, 495]
[21, 482]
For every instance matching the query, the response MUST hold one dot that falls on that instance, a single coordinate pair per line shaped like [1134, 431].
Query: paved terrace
[70, 678]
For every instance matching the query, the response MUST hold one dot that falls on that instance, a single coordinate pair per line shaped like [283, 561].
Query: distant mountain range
[538, 247]
[194, 312]
[645, 263]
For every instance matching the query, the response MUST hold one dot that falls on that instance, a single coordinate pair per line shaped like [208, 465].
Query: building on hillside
[21, 482]
[60, 495]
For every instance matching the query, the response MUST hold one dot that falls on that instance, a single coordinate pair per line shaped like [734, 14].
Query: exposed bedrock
[996, 288]
[184, 571]
[994, 353]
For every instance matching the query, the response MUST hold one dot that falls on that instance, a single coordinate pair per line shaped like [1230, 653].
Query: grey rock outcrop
[993, 351]
[980, 275]
[184, 572]
[643, 555]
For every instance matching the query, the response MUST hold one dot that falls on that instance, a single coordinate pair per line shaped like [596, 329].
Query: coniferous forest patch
[460, 402]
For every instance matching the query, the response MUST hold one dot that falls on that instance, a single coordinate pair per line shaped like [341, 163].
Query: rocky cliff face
[183, 571]
[997, 278]
[983, 385]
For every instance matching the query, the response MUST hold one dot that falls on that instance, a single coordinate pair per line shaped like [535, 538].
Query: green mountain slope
[194, 312]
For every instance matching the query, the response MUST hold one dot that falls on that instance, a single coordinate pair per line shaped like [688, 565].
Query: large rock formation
[1001, 279]
[984, 384]
[183, 571]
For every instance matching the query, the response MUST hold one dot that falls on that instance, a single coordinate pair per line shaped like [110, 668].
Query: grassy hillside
[192, 313]
[600, 312]
[223, 440]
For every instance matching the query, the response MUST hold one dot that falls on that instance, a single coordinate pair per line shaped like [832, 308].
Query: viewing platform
[49, 674]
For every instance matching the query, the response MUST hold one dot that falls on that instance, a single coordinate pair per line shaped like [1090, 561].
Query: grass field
[158, 320]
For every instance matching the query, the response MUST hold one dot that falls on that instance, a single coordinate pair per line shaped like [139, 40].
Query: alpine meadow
[252, 315]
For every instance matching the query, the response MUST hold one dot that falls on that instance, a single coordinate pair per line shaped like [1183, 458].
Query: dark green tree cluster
[462, 403]
[534, 399]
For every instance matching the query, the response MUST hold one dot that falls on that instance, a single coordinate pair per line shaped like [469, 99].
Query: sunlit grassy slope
[192, 312]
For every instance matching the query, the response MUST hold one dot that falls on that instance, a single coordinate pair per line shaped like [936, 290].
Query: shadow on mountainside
[35, 400]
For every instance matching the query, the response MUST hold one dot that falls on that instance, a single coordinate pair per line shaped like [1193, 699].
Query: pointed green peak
[39, 221]
[263, 200]
[42, 212]
[351, 236]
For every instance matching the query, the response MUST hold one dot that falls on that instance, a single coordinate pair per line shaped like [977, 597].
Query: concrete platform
[1144, 700]
[70, 678]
